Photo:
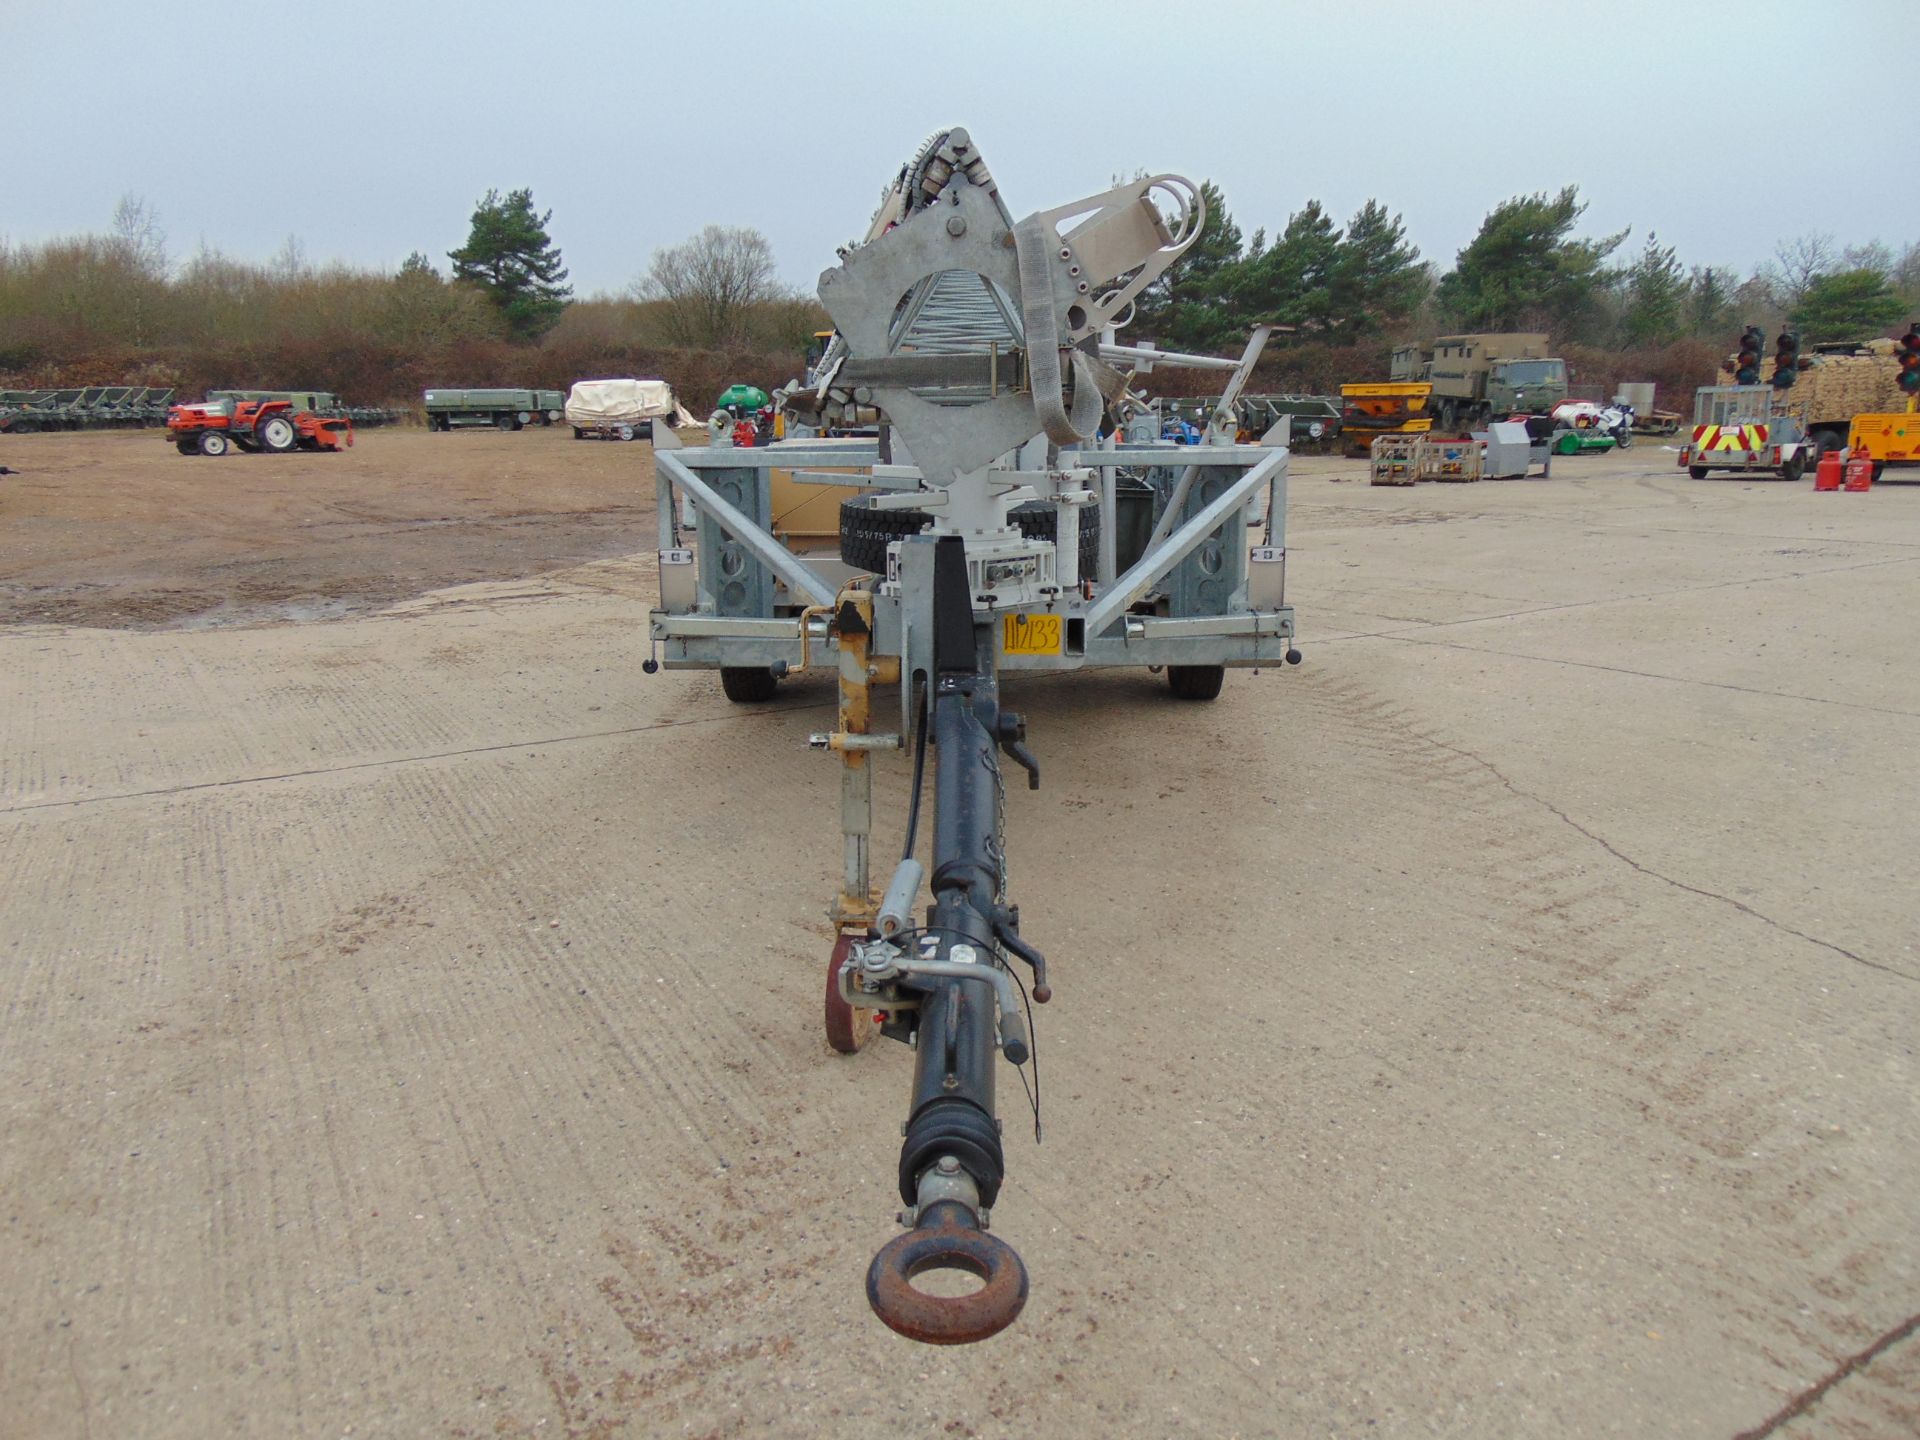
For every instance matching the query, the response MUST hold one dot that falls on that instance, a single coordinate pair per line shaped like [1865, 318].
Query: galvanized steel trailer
[1745, 427]
[1019, 513]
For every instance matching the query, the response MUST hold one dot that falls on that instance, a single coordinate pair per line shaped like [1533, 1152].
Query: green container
[743, 400]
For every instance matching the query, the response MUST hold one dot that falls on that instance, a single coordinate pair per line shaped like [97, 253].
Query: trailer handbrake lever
[1006, 922]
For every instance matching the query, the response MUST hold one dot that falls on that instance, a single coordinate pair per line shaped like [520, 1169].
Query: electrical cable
[1033, 1054]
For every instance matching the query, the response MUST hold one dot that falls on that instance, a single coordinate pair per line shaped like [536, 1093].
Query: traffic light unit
[1909, 355]
[1786, 360]
[1746, 370]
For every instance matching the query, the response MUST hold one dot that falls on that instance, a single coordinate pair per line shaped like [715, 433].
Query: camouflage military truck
[1478, 377]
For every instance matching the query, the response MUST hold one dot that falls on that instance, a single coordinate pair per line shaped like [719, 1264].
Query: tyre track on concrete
[1571, 915]
[228, 1164]
[1738, 905]
[1628, 599]
[1646, 674]
[348, 767]
[1587, 973]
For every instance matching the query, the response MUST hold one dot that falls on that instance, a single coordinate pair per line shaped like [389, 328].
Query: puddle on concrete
[283, 612]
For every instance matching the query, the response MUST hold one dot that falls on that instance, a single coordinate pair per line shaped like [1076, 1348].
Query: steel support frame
[1169, 552]
[1237, 638]
[765, 548]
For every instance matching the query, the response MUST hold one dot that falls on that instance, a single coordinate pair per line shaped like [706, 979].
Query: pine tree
[1522, 270]
[1181, 309]
[1378, 280]
[1292, 282]
[1851, 305]
[510, 255]
[1656, 296]
[1709, 302]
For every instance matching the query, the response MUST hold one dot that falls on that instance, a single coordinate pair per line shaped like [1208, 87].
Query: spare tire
[866, 532]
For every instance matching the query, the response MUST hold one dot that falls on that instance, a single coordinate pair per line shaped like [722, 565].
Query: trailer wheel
[214, 442]
[504, 422]
[1196, 682]
[747, 684]
[276, 434]
[1698, 472]
[866, 532]
[578, 433]
[1795, 468]
[848, 1029]
[625, 432]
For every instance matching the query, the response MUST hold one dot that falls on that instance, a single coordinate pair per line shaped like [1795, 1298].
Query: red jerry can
[1826, 475]
[1859, 471]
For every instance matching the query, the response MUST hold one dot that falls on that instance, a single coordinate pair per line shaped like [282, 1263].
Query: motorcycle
[1617, 421]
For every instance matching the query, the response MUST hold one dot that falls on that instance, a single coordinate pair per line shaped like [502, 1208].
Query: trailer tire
[276, 434]
[866, 532]
[747, 684]
[578, 433]
[1196, 682]
[214, 442]
[1698, 472]
[1794, 469]
[505, 423]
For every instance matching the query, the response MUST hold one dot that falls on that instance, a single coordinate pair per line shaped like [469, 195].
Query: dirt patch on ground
[120, 530]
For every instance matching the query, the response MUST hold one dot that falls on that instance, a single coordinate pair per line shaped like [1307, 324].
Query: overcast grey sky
[368, 130]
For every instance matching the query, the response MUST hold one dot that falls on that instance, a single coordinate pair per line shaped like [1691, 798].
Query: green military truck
[501, 409]
[1476, 378]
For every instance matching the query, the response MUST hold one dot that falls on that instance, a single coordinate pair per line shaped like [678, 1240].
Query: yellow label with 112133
[1022, 634]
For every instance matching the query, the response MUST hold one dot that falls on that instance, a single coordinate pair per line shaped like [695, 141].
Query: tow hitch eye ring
[949, 1243]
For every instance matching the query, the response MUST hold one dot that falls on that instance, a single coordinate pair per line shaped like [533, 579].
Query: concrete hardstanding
[1502, 1024]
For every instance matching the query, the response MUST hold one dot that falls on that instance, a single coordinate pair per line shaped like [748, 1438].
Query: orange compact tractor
[213, 427]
